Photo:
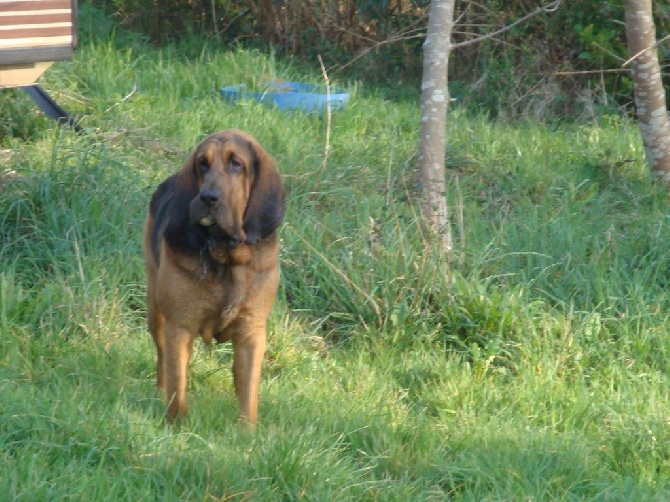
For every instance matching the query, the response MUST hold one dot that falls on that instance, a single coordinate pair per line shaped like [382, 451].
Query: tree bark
[652, 112]
[433, 127]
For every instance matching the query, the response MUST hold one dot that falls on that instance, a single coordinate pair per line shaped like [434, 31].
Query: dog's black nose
[209, 196]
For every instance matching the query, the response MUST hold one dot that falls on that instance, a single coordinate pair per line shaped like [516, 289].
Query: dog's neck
[220, 252]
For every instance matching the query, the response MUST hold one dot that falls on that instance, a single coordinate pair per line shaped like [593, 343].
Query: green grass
[539, 373]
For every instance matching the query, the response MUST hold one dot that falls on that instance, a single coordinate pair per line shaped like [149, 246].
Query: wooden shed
[34, 34]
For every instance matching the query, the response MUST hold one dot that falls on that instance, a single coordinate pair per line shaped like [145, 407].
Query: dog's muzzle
[209, 198]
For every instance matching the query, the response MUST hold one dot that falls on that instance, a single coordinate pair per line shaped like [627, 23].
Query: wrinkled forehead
[225, 148]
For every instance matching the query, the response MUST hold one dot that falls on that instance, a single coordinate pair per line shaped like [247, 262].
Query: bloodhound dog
[212, 262]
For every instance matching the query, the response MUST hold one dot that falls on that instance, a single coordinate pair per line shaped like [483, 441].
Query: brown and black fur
[212, 260]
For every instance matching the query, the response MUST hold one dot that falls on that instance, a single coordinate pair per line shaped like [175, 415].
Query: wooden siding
[35, 24]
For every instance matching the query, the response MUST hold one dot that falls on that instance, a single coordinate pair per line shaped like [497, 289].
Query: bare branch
[462, 14]
[550, 7]
[396, 38]
[326, 152]
[411, 33]
[589, 72]
[655, 44]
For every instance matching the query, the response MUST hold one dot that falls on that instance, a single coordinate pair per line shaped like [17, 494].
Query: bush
[555, 64]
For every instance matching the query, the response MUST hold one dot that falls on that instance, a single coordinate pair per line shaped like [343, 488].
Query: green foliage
[561, 63]
[539, 372]
[20, 119]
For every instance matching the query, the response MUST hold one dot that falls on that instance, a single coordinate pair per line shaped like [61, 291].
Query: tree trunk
[650, 103]
[433, 128]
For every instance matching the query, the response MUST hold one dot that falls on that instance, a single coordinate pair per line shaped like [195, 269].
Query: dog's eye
[204, 165]
[234, 167]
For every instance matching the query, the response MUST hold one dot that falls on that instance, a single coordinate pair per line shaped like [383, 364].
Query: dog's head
[239, 196]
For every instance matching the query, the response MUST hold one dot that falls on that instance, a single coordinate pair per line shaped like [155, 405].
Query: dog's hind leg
[157, 329]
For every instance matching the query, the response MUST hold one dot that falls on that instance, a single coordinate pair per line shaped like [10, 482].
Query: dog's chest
[226, 293]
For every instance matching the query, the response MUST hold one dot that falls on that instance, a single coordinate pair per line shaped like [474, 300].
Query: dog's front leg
[249, 349]
[178, 347]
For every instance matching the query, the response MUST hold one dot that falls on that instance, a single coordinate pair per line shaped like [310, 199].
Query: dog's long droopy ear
[265, 209]
[174, 209]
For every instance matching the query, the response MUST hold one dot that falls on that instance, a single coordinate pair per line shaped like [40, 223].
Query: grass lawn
[540, 372]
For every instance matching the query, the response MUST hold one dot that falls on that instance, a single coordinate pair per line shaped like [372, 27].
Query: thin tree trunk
[652, 112]
[432, 132]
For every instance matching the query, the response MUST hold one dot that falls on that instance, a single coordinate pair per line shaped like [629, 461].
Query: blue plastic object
[290, 96]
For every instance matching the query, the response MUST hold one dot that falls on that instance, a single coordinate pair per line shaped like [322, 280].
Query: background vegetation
[564, 63]
[541, 373]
